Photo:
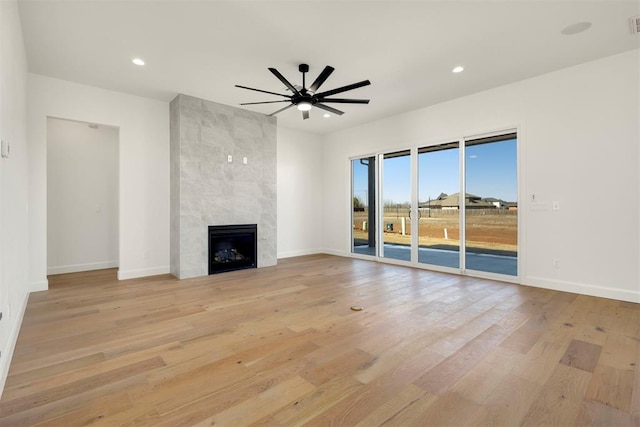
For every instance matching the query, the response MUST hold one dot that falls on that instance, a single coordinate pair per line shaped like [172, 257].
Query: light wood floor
[280, 346]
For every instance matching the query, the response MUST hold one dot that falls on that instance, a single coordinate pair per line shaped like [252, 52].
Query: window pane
[439, 208]
[491, 228]
[363, 205]
[396, 198]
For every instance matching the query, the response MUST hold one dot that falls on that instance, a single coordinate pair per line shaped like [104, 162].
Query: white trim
[522, 200]
[583, 289]
[415, 201]
[492, 276]
[362, 256]
[303, 252]
[336, 253]
[142, 272]
[41, 285]
[82, 267]
[462, 205]
[7, 353]
[379, 207]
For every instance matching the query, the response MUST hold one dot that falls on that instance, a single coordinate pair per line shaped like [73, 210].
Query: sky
[491, 171]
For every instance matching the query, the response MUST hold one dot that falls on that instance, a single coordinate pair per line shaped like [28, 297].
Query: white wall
[144, 170]
[579, 145]
[14, 178]
[82, 196]
[299, 193]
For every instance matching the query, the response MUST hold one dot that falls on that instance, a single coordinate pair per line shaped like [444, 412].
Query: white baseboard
[583, 289]
[7, 353]
[334, 252]
[142, 272]
[41, 285]
[82, 267]
[290, 254]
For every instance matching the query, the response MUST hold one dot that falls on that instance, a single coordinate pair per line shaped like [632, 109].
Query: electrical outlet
[556, 263]
[229, 158]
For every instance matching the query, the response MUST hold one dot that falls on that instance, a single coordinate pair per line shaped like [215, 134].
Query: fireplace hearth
[232, 247]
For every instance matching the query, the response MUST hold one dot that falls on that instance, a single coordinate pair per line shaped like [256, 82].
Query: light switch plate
[5, 148]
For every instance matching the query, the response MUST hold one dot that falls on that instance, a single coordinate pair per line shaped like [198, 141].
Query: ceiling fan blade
[280, 110]
[285, 81]
[265, 102]
[305, 115]
[321, 78]
[344, 101]
[263, 91]
[343, 89]
[329, 109]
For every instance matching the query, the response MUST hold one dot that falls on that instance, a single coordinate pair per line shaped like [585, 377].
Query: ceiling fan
[306, 98]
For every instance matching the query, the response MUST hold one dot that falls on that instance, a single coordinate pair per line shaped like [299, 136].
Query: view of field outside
[491, 199]
[491, 231]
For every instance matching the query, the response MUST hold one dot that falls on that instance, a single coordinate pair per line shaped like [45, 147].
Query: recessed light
[137, 61]
[576, 28]
[326, 115]
[457, 69]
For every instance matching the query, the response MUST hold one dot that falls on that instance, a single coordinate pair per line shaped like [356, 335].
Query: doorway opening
[82, 196]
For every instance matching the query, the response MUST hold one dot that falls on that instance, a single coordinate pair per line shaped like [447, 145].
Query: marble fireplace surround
[207, 190]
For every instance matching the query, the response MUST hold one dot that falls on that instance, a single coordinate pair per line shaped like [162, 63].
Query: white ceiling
[406, 48]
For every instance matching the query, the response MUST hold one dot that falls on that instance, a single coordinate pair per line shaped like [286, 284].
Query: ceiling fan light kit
[306, 98]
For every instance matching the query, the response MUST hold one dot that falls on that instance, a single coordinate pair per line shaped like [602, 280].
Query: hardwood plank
[314, 404]
[392, 407]
[444, 375]
[560, 399]
[594, 414]
[488, 375]
[262, 404]
[612, 387]
[582, 355]
[43, 397]
[510, 400]
[449, 409]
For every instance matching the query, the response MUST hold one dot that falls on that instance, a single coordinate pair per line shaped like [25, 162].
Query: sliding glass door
[439, 205]
[452, 206]
[491, 214]
[396, 206]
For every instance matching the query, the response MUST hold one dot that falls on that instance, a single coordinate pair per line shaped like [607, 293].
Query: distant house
[498, 203]
[451, 202]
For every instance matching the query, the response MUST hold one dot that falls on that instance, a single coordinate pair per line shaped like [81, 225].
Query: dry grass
[497, 231]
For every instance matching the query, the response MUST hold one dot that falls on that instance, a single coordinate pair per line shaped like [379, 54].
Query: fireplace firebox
[232, 247]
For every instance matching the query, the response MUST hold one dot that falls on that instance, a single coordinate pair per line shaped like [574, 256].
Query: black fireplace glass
[232, 247]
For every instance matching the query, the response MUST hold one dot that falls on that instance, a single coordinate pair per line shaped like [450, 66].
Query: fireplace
[232, 247]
